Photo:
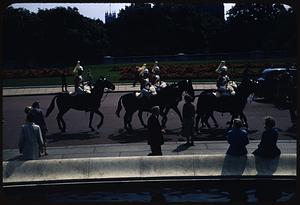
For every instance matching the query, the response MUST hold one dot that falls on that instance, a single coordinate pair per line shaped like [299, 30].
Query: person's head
[27, 109]
[237, 123]
[36, 104]
[80, 70]
[269, 122]
[155, 110]
[188, 98]
[224, 70]
[146, 71]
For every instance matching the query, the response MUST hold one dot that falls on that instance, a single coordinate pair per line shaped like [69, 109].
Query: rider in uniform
[223, 78]
[78, 80]
[156, 80]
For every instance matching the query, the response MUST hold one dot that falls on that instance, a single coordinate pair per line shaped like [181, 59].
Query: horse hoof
[98, 126]
[63, 130]
[92, 129]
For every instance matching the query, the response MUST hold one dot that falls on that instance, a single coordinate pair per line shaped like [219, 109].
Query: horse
[166, 98]
[89, 102]
[233, 104]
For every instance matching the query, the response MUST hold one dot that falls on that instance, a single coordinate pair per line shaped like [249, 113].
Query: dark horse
[166, 98]
[234, 104]
[86, 102]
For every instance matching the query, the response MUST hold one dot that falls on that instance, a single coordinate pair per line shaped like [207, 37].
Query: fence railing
[197, 57]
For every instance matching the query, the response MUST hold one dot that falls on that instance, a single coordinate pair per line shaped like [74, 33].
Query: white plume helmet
[77, 67]
[221, 67]
[224, 69]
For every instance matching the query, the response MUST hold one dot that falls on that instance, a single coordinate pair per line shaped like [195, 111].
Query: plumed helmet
[80, 68]
[223, 68]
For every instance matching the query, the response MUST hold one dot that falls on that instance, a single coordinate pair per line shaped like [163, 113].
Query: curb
[160, 167]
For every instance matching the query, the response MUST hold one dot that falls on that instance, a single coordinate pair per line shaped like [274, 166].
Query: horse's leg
[205, 119]
[58, 121]
[60, 118]
[214, 119]
[175, 108]
[164, 117]
[91, 119]
[140, 114]
[244, 119]
[198, 116]
[127, 124]
[101, 116]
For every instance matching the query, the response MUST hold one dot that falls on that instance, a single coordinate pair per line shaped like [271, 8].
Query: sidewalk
[142, 149]
[48, 90]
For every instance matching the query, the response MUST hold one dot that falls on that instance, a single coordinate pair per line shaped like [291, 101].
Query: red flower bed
[34, 73]
[194, 71]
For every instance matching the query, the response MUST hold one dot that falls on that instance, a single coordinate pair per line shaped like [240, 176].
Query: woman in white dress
[31, 141]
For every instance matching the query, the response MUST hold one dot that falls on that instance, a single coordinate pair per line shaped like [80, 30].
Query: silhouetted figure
[38, 119]
[31, 141]
[267, 146]
[155, 137]
[188, 114]
[64, 85]
[237, 139]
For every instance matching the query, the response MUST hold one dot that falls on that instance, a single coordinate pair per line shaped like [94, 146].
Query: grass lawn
[105, 70]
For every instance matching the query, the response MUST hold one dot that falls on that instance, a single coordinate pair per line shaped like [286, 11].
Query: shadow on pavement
[182, 147]
[71, 136]
[122, 136]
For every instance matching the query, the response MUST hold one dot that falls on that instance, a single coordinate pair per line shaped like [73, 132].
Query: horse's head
[187, 86]
[102, 83]
[247, 86]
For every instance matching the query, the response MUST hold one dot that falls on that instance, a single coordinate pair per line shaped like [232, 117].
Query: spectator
[31, 141]
[237, 139]
[38, 119]
[267, 146]
[155, 138]
[188, 113]
[64, 84]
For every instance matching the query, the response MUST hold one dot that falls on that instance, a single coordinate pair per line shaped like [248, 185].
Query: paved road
[112, 130]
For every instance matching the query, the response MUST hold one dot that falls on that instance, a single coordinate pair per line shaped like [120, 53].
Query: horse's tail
[51, 107]
[119, 107]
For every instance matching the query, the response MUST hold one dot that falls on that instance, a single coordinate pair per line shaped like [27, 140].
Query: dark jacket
[267, 146]
[38, 118]
[237, 139]
[155, 134]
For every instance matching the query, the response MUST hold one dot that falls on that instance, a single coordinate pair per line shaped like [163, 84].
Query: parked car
[268, 82]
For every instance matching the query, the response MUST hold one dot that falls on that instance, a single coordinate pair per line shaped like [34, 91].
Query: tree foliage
[60, 36]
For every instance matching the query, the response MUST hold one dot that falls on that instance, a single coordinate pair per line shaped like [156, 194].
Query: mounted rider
[156, 80]
[147, 89]
[78, 80]
[224, 85]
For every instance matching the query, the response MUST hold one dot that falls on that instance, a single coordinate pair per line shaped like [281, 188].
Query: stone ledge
[214, 165]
